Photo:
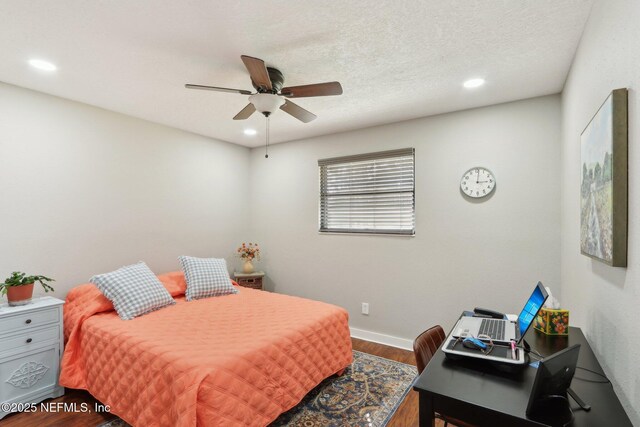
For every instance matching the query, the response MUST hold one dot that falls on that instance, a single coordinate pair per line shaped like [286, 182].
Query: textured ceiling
[396, 60]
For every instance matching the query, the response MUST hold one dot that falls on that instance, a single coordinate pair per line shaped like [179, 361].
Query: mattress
[234, 360]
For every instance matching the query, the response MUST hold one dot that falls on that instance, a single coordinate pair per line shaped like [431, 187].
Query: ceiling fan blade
[257, 71]
[245, 112]
[218, 89]
[318, 89]
[298, 112]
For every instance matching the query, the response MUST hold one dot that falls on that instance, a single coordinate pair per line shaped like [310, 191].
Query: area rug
[367, 394]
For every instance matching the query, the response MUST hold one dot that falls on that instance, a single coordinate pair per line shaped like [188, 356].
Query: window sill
[355, 233]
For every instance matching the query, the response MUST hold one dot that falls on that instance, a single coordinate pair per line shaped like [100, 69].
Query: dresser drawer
[29, 373]
[254, 282]
[29, 320]
[29, 338]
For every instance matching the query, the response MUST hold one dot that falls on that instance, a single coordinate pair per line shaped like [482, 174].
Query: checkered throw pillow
[206, 277]
[134, 290]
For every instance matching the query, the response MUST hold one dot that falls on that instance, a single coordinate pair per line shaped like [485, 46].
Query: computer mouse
[474, 343]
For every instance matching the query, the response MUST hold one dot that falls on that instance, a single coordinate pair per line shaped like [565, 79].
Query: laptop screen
[531, 308]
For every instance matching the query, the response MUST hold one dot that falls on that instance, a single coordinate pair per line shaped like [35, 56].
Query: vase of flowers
[248, 253]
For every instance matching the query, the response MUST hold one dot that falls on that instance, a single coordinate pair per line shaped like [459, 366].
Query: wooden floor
[405, 416]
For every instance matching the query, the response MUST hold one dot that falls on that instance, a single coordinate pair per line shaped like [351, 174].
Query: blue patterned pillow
[206, 277]
[134, 290]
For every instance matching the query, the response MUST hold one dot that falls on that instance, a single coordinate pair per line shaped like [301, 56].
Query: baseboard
[390, 340]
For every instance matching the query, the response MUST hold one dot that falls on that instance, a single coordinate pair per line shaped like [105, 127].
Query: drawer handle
[28, 321]
[29, 340]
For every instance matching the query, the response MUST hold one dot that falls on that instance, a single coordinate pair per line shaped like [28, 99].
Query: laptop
[503, 331]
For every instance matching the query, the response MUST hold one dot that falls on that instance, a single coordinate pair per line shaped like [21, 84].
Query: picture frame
[604, 182]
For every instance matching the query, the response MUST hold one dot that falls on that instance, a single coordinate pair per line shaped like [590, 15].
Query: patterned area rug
[367, 394]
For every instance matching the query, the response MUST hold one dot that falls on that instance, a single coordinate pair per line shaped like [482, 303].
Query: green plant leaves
[18, 278]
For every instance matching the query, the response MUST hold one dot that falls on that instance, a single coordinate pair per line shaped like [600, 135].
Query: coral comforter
[235, 360]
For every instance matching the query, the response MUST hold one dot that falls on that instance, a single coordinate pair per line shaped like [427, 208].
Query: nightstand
[251, 280]
[31, 344]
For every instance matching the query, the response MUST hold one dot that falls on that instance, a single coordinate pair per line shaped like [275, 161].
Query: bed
[234, 360]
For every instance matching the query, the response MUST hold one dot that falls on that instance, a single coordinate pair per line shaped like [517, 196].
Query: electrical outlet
[365, 308]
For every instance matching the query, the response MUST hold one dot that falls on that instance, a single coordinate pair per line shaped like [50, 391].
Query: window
[368, 193]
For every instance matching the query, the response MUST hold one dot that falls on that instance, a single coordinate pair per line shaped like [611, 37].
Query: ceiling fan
[270, 95]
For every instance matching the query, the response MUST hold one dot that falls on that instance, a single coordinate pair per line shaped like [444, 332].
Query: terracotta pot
[247, 268]
[19, 295]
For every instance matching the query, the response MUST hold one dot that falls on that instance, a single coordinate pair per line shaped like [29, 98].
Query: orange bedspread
[235, 360]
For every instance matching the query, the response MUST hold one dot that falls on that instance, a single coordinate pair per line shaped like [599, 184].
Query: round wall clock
[477, 182]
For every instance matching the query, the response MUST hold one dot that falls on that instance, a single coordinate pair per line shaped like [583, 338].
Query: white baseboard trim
[390, 340]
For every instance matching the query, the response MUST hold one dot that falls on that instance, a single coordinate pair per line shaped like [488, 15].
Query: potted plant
[19, 287]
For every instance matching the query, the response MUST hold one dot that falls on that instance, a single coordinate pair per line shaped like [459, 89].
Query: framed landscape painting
[603, 188]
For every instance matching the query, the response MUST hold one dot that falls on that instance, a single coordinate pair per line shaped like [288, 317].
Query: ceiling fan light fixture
[266, 103]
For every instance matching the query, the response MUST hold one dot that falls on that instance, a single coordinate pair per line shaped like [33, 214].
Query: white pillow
[206, 277]
[134, 290]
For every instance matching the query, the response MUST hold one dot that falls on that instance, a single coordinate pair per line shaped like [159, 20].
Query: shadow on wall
[637, 390]
[607, 345]
[269, 284]
[614, 275]
[603, 336]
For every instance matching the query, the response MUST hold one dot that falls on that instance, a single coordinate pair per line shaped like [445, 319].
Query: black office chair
[424, 347]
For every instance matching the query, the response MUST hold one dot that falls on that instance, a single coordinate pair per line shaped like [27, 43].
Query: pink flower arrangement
[249, 252]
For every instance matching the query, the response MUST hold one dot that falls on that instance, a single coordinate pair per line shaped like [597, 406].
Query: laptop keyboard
[492, 327]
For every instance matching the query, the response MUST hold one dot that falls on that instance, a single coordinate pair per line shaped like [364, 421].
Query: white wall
[604, 300]
[84, 191]
[464, 254]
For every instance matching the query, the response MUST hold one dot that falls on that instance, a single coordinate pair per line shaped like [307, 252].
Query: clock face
[477, 182]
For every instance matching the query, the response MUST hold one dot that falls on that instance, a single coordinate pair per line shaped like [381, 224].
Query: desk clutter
[552, 320]
[503, 335]
[548, 391]
[485, 369]
[498, 351]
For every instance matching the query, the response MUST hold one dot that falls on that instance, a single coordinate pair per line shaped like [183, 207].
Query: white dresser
[31, 344]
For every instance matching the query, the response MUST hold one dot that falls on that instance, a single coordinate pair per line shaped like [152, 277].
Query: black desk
[478, 393]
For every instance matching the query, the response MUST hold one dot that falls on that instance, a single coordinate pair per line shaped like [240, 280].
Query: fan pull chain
[266, 147]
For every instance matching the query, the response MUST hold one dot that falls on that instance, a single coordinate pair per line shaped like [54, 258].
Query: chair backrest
[426, 345]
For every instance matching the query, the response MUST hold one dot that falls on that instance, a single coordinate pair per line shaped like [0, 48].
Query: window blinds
[368, 193]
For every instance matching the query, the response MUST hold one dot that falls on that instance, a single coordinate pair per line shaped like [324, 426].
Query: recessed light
[469, 84]
[250, 131]
[42, 65]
